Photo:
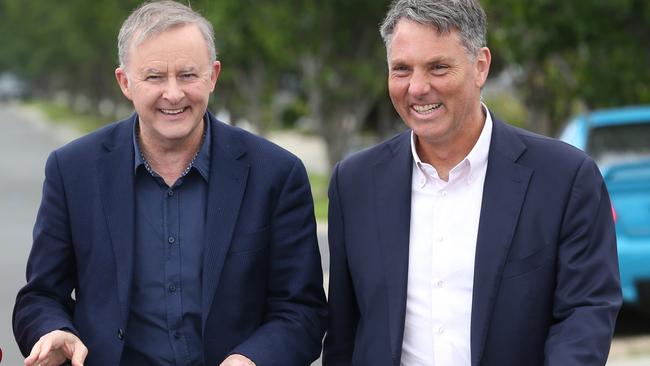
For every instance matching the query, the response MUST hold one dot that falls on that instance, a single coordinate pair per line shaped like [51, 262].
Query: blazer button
[120, 334]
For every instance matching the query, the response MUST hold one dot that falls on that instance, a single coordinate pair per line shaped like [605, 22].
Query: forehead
[412, 38]
[183, 44]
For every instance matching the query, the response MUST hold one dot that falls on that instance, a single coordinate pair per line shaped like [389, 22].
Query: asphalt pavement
[24, 146]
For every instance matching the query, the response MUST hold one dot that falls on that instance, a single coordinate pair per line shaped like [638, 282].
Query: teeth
[172, 111]
[427, 108]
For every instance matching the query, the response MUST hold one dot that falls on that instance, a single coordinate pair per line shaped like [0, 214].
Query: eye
[188, 76]
[439, 69]
[153, 78]
[400, 70]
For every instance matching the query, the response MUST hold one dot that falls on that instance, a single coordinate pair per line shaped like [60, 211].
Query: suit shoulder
[549, 146]
[548, 155]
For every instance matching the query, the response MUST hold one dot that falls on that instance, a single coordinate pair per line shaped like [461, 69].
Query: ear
[483, 60]
[123, 82]
[216, 69]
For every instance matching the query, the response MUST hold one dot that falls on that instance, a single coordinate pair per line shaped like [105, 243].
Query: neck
[170, 159]
[442, 159]
[445, 155]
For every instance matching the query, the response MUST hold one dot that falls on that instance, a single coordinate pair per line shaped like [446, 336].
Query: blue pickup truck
[619, 141]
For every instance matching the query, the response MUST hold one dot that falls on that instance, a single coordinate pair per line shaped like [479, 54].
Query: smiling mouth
[426, 108]
[173, 112]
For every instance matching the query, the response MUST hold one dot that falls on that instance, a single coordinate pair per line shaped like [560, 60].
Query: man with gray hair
[170, 238]
[465, 241]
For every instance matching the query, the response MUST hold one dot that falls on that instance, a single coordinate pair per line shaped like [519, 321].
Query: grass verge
[319, 191]
[62, 114]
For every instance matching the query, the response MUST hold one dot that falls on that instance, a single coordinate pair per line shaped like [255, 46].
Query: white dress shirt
[444, 228]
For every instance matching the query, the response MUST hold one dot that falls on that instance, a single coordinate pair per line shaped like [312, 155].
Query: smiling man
[171, 238]
[465, 241]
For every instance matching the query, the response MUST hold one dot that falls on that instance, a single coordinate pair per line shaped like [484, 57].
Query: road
[23, 150]
[25, 141]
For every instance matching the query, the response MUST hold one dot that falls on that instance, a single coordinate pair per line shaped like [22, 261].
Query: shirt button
[120, 334]
[441, 239]
[439, 284]
[171, 240]
[170, 192]
[443, 193]
[172, 288]
[441, 330]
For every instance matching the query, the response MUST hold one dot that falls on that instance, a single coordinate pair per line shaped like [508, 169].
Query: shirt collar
[202, 161]
[478, 156]
[476, 159]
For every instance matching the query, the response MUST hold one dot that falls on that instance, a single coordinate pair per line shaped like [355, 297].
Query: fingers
[46, 346]
[55, 347]
[237, 360]
[33, 356]
[79, 354]
[42, 353]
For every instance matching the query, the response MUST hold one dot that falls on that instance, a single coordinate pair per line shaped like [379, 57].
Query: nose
[419, 84]
[173, 91]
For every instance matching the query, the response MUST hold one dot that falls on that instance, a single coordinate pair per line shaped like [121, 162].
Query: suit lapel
[504, 190]
[392, 179]
[228, 176]
[117, 192]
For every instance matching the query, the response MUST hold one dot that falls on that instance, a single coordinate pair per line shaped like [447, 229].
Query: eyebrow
[431, 62]
[188, 69]
[151, 70]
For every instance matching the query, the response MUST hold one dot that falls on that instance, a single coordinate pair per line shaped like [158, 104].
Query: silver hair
[466, 16]
[153, 18]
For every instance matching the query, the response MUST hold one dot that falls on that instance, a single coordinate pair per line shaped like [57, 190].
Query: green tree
[573, 55]
[327, 54]
[331, 48]
[343, 66]
[68, 45]
[252, 49]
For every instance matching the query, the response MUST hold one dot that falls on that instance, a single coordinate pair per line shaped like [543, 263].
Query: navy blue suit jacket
[262, 292]
[546, 285]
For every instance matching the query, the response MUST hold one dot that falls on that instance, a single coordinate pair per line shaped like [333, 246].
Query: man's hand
[55, 348]
[237, 360]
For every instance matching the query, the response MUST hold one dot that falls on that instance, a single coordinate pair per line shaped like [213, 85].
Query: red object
[0, 354]
[614, 215]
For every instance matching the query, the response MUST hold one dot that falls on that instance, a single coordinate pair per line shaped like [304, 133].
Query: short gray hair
[466, 16]
[153, 18]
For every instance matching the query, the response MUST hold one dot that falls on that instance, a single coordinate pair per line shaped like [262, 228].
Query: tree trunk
[251, 89]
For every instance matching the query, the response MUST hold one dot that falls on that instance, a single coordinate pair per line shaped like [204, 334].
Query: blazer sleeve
[45, 303]
[294, 322]
[587, 295]
[343, 308]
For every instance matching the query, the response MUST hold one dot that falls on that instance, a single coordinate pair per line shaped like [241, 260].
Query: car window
[609, 144]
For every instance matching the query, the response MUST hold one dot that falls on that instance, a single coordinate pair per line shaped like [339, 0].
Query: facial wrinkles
[176, 54]
[183, 72]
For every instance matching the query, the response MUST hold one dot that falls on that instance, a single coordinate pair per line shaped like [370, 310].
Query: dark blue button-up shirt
[164, 326]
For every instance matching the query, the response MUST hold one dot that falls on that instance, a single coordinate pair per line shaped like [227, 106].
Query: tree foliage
[327, 54]
[324, 61]
[573, 54]
[67, 45]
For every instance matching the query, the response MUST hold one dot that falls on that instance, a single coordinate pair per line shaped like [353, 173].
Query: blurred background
[308, 74]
